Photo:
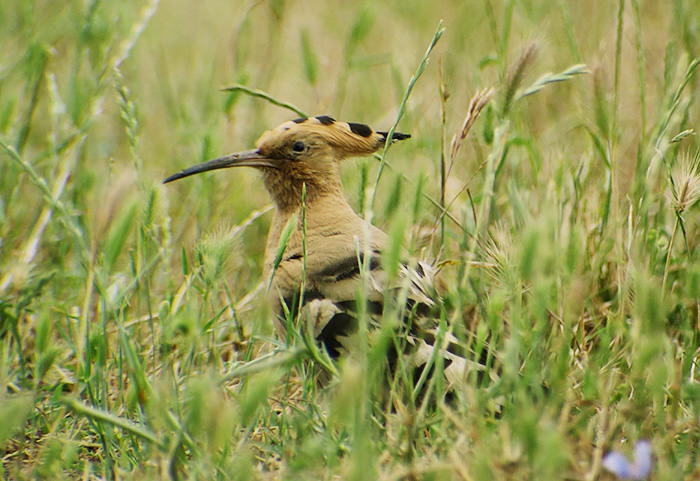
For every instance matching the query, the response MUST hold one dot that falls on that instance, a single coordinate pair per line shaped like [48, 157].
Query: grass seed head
[685, 187]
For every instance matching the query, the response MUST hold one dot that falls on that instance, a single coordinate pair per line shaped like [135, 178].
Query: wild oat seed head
[686, 182]
[499, 254]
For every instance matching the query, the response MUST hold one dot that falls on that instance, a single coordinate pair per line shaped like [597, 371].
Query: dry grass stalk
[476, 105]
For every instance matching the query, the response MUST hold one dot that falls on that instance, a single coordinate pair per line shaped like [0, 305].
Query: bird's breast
[335, 239]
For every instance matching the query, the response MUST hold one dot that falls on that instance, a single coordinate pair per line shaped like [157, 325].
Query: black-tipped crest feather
[396, 136]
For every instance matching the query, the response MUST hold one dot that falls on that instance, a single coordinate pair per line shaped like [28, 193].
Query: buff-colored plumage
[307, 152]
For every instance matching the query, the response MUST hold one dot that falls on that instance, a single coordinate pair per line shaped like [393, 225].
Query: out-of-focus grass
[135, 342]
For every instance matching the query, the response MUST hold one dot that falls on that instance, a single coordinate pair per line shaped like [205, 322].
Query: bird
[300, 162]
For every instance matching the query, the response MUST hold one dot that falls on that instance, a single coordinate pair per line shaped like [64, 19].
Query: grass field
[135, 338]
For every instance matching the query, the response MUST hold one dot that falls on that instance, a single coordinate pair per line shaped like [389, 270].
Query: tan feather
[305, 154]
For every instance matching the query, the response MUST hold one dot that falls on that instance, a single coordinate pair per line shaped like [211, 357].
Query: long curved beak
[247, 158]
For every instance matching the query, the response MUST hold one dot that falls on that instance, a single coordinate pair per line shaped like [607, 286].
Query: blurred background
[561, 194]
[348, 60]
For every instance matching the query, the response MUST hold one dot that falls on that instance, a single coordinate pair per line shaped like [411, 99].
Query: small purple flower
[618, 464]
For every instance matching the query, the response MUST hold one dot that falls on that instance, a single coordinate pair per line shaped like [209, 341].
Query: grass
[135, 339]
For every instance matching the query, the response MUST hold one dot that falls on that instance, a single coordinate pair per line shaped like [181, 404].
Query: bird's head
[302, 151]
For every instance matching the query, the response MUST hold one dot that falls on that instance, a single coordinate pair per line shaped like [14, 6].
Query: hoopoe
[307, 152]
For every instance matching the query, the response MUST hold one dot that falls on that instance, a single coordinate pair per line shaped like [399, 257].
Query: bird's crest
[346, 138]
[314, 139]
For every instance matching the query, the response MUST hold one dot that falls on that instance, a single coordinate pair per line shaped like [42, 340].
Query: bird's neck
[321, 212]
[288, 193]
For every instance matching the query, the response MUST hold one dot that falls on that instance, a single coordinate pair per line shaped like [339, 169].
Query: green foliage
[13, 413]
[135, 337]
[118, 234]
[285, 237]
[309, 57]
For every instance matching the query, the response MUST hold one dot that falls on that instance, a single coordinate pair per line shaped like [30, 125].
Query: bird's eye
[298, 147]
